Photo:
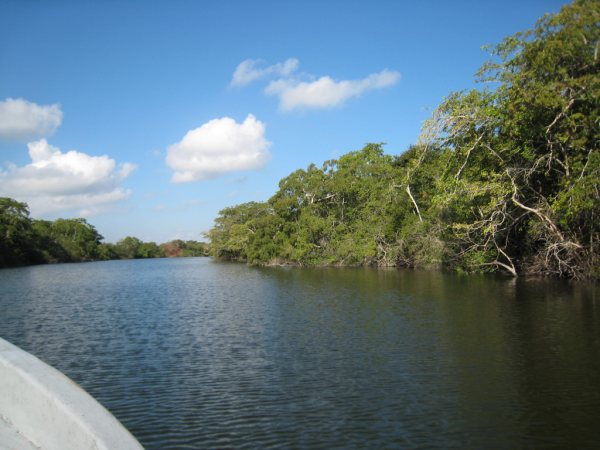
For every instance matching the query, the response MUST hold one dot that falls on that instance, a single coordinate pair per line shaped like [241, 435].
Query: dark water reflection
[195, 354]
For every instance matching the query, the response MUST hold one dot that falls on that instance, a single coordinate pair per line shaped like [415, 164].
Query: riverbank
[501, 180]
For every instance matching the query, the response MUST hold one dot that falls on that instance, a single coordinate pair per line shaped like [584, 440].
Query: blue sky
[128, 112]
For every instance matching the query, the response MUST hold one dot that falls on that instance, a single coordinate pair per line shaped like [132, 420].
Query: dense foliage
[179, 248]
[17, 238]
[26, 241]
[505, 178]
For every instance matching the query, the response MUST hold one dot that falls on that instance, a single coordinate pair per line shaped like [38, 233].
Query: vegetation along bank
[505, 178]
[25, 241]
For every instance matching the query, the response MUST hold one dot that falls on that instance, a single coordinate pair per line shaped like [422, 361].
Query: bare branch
[544, 218]
[501, 264]
[586, 164]
[560, 115]
[414, 202]
[457, 176]
[510, 268]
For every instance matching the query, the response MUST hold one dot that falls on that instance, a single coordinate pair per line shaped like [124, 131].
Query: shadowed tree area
[25, 241]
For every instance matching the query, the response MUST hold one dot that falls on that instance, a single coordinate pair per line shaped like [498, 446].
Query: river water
[191, 353]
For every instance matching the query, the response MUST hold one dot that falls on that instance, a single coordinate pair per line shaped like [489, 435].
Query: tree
[505, 178]
[16, 235]
[78, 240]
[521, 191]
[128, 247]
[179, 248]
[231, 236]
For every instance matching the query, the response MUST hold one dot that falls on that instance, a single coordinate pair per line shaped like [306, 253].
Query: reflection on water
[190, 353]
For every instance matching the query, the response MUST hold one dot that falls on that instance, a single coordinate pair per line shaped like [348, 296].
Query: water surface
[190, 353]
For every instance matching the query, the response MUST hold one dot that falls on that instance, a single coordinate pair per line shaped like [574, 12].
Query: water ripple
[193, 354]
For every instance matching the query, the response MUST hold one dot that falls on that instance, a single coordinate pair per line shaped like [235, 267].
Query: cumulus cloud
[219, 146]
[55, 181]
[250, 70]
[22, 120]
[326, 92]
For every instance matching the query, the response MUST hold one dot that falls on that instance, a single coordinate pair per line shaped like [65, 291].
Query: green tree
[78, 240]
[180, 248]
[16, 234]
[195, 248]
[149, 250]
[503, 179]
[521, 191]
[232, 234]
[107, 251]
[128, 247]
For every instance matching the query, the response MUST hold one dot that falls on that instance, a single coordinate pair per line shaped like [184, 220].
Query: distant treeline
[506, 178]
[25, 241]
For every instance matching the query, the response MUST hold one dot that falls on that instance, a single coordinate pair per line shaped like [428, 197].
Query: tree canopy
[26, 241]
[504, 178]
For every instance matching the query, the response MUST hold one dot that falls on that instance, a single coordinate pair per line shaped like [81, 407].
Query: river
[192, 353]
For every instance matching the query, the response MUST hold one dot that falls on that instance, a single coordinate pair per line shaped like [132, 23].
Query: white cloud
[55, 181]
[249, 70]
[22, 120]
[326, 92]
[219, 146]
